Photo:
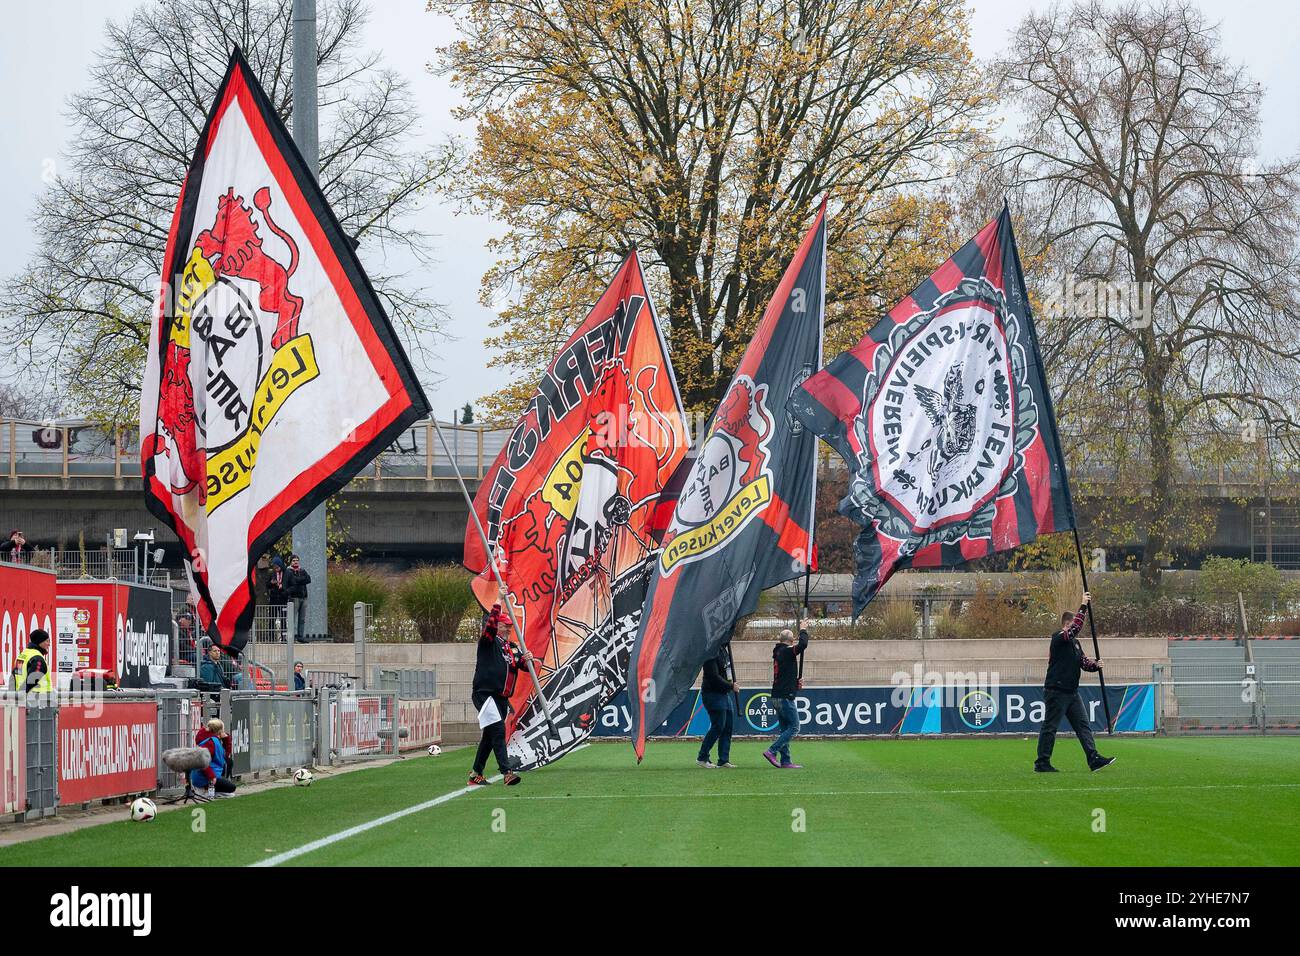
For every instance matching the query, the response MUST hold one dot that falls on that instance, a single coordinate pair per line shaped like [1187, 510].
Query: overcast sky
[50, 45]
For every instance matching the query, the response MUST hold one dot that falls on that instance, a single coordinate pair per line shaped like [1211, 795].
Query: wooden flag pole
[501, 585]
[1096, 648]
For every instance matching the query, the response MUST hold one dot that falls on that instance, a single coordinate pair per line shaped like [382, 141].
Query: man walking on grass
[1061, 692]
[496, 669]
[785, 684]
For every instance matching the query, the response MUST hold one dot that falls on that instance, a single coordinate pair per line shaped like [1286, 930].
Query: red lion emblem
[234, 241]
[234, 249]
[734, 419]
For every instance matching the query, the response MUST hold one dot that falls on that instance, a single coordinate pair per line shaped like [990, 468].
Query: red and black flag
[567, 509]
[743, 518]
[273, 374]
[943, 415]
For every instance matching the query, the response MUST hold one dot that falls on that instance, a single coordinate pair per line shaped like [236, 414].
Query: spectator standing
[296, 580]
[275, 597]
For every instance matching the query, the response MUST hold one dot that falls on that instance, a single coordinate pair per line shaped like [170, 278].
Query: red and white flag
[273, 373]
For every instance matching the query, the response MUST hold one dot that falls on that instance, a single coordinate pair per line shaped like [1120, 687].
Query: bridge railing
[80, 448]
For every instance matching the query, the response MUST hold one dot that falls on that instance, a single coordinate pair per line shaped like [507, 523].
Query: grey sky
[50, 46]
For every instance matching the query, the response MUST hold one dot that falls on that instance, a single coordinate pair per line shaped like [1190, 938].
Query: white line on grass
[333, 838]
[896, 793]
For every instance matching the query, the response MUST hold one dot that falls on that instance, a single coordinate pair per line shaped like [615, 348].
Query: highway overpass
[62, 481]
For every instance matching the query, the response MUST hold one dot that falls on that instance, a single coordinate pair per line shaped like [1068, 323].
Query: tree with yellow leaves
[704, 133]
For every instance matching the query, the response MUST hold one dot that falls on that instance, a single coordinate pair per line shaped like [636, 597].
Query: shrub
[435, 599]
[945, 624]
[1260, 585]
[347, 586]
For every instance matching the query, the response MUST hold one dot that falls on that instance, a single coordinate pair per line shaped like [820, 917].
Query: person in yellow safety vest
[31, 671]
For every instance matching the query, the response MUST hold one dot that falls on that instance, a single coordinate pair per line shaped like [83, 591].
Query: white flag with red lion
[273, 372]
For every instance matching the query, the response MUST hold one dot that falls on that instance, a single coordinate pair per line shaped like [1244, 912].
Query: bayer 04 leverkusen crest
[945, 420]
[567, 508]
[743, 516]
[273, 374]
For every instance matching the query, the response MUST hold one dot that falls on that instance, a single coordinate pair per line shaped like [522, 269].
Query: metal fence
[178, 712]
[42, 756]
[1217, 696]
[122, 564]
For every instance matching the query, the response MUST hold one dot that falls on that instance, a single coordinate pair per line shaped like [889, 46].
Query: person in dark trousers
[785, 684]
[1061, 692]
[296, 580]
[496, 668]
[275, 597]
[717, 690]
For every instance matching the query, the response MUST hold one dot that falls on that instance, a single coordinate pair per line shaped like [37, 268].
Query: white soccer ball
[302, 777]
[434, 750]
[143, 810]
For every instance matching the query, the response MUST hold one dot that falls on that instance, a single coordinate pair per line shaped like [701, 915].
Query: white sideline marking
[901, 793]
[333, 838]
[314, 845]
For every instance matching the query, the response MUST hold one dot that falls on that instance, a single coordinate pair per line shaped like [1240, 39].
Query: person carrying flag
[1061, 692]
[785, 684]
[496, 669]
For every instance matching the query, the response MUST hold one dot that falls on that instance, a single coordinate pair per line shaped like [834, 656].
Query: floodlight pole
[496, 572]
[309, 534]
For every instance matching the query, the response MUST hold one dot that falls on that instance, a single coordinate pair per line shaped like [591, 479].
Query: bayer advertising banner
[870, 711]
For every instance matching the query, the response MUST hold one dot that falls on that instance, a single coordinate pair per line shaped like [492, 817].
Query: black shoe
[1045, 768]
[1095, 765]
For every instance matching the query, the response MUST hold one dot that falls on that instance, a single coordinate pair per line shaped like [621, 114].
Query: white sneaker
[727, 766]
[707, 764]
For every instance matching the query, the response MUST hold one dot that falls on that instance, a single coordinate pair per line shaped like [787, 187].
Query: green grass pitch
[1166, 802]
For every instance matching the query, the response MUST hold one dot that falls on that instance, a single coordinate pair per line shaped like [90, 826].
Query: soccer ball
[302, 777]
[434, 750]
[143, 810]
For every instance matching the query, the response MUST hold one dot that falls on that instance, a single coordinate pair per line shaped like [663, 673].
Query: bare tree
[1136, 169]
[705, 132]
[80, 308]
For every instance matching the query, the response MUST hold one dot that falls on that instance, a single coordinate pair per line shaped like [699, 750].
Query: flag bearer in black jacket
[1061, 692]
[717, 687]
[496, 669]
[785, 684]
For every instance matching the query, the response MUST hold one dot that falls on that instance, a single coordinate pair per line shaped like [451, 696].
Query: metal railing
[1216, 696]
[123, 564]
[80, 448]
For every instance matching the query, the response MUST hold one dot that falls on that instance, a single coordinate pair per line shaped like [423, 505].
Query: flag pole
[807, 584]
[1051, 420]
[734, 693]
[1096, 649]
[501, 585]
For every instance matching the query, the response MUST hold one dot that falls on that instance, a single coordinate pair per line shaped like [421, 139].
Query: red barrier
[107, 750]
[124, 628]
[423, 721]
[13, 757]
[27, 602]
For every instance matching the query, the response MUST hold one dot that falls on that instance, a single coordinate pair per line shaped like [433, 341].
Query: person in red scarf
[496, 669]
